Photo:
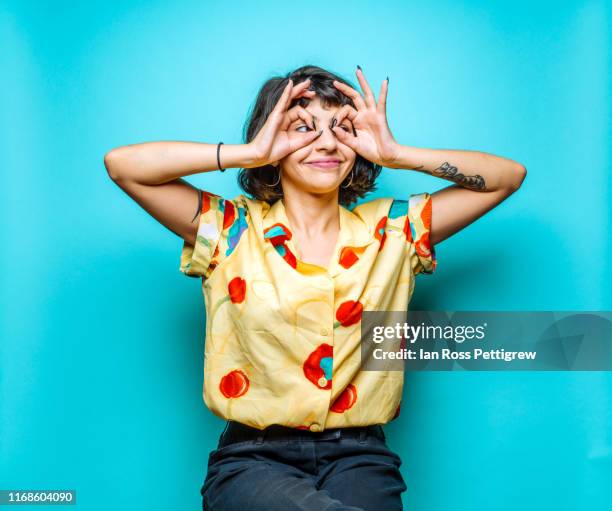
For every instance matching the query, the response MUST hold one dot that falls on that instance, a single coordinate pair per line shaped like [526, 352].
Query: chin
[322, 184]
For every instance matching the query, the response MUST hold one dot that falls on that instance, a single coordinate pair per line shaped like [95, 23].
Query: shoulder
[400, 213]
[373, 210]
[372, 206]
[252, 210]
[391, 206]
[248, 203]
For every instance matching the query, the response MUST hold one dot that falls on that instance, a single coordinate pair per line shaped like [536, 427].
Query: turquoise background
[102, 337]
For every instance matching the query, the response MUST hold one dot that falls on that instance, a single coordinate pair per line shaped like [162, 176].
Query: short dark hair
[255, 181]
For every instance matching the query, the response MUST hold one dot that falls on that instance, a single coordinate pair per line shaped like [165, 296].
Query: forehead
[319, 111]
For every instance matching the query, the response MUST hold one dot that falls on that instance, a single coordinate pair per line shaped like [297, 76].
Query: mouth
[324, 164]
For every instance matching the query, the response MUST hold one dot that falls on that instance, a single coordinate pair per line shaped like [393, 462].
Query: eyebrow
[315, 118]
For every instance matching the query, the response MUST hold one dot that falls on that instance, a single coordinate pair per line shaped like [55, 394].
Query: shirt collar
[354, 234]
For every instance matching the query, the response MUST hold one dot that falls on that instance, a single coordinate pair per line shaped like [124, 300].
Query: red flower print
[408, 230]
[422, 246]
[302, 427]
[426, 214]
[347, 257]
[289, 257]
[278, 234]
[229, 214]
[345, 400]
[380, 233]
[206, 196]
[237, 289]
[349, 313]
[234, 384]
[317, 367]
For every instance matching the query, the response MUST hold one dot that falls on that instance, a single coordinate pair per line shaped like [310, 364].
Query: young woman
[287, 272]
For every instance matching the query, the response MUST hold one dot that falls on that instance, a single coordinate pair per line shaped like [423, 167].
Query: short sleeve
[418, 227]
[220, 226]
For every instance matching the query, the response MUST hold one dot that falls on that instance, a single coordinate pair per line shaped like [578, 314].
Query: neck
[312, 214]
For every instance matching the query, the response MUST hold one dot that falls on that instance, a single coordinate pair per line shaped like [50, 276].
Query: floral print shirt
[283, 335]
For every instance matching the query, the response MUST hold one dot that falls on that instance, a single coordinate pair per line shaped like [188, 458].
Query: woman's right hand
[272, 143]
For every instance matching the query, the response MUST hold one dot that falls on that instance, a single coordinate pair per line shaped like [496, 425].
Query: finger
[382, 97]
[284, 99]
[304, 139]
[289, 92]
[351, 93]
[275, 116]
[344, 115]
[345, 137]
[307, 94]
[299, 89]
[365, 87]
[295, 113]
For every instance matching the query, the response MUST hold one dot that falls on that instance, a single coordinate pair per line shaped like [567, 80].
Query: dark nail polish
[387, 80]
[358, 66]
[334, 123]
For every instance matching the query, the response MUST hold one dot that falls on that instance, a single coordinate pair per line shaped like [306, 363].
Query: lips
[324, 164]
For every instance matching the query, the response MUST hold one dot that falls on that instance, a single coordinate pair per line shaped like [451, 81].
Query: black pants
[286, 469]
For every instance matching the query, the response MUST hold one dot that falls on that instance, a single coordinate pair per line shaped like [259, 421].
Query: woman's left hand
[373, 139]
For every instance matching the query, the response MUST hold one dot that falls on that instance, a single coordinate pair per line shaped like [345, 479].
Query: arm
[155, 163]
[151, 172]
[482, 181]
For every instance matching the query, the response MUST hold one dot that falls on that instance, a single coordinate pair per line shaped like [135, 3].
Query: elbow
[113, 163]
[519, 172]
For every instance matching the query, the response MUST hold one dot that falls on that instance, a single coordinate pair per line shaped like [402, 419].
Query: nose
[327, 140]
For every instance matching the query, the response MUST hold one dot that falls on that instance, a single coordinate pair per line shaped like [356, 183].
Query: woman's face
[300, 168]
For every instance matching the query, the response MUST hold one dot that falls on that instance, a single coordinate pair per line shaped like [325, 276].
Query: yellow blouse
[283, 335]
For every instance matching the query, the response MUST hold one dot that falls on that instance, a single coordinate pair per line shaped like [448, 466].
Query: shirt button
[315, 427]
[324, 331]
[322, 381]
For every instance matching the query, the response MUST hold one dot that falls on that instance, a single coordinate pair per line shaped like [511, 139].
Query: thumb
[345, 138]
[309, 137]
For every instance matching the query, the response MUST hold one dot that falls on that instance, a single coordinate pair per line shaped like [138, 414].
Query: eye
[302, 126]
[346, 128]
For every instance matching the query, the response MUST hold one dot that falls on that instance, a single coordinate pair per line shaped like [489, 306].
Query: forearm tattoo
[447, 171]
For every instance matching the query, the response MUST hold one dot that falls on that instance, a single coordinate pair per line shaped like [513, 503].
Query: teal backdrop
[102, 337]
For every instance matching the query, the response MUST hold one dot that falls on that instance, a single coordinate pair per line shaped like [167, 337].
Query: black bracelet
[218, 160]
